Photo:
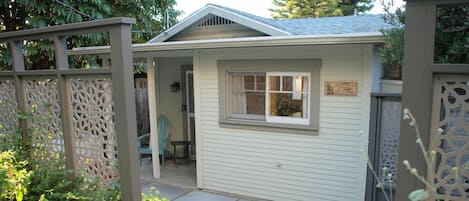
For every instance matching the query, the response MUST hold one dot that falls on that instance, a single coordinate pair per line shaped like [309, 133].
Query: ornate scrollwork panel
[93, 126]
[43, 108]
[451, 142]
[390, 121]
[8, 107]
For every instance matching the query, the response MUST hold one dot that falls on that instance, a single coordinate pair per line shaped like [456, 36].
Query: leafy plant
[286, 106]
[152, 17]
[392, 52]
[14, 177]
[452, 34]
[41, 175]
[153, 195]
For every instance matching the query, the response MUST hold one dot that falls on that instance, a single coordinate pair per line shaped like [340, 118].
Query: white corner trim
[214, 10]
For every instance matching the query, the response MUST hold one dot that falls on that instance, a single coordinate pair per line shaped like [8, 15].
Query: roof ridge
[246, 14]
[330, 24]
[328, 17]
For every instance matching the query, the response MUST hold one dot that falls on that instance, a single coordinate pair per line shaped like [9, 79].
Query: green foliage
[5, 55]
[452, 34]
[318, 8]
[41, 174]
[140, 68]
[153, 16]
[348, 7]
[14, 177]
[451, 37]
[392, 52]
[85, 61]
[287, 106]
[51, 181]
[154, 195]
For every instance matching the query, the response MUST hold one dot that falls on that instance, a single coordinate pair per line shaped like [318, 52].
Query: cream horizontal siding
[284, 166]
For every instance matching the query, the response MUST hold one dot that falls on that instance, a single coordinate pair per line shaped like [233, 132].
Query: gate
[383, 144]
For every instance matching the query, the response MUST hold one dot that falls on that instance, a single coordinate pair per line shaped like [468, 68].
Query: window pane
[237, 99]
[249, 82]
[260, 82]
[305, 84]
[299, 83]
[283, 104]
[287, 83]
[255, 103]
[301, 86]
[274, 83]
[245, 102]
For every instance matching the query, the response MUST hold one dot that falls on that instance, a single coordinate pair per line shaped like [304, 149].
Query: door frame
[184, 101]
[374, 142]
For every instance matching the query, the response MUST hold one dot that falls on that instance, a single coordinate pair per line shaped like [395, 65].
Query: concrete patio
[179, 183]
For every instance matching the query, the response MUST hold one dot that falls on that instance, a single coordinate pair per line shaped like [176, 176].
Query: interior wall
[169, 71]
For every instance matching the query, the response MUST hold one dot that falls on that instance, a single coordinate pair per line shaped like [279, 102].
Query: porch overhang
[268, 41]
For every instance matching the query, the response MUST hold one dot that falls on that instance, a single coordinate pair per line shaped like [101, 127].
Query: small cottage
[273, 109]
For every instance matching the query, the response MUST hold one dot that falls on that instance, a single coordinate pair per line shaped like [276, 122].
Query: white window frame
[287, 120]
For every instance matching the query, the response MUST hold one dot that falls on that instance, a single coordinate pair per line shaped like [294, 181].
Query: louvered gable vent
[215, 27]
[215, 20]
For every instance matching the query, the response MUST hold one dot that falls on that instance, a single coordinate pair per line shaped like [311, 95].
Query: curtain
[238, 100]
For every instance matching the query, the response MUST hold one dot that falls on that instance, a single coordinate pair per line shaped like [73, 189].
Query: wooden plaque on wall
[340, 88]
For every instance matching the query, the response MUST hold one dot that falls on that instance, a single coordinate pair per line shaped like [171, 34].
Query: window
[270, 93]
[247, 96]
[287, 98]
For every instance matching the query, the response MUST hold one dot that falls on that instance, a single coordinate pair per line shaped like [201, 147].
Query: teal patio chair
[163, 134]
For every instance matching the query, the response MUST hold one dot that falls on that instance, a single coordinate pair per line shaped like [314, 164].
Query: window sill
[269, 127]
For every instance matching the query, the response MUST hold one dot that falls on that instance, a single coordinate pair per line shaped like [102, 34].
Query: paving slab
[168, 191]
[204, 196]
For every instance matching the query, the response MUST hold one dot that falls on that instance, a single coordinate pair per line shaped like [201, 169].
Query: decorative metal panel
[390, 124]
[8, 107]
[451, 142]
[42, 103]
[93, 126]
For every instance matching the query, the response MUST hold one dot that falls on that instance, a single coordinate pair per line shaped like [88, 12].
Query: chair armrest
[140, 139]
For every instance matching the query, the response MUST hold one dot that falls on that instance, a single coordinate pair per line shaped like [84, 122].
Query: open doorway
[174, 94]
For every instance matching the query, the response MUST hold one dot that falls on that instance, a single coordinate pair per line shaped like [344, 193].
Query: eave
[268, 41]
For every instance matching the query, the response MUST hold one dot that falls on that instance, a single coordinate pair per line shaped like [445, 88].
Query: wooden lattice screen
[90, 112]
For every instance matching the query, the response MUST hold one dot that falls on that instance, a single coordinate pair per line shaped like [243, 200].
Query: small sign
[340, 88]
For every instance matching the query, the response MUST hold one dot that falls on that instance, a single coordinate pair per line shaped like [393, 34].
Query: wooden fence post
[16, 48]
[124, 111]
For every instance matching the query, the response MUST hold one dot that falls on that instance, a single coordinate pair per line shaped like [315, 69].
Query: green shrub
[53, 182]
[14, 177]
[153, 195]
[41, 175]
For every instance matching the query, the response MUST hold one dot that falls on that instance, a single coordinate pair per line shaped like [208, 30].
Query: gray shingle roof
[325, 25]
